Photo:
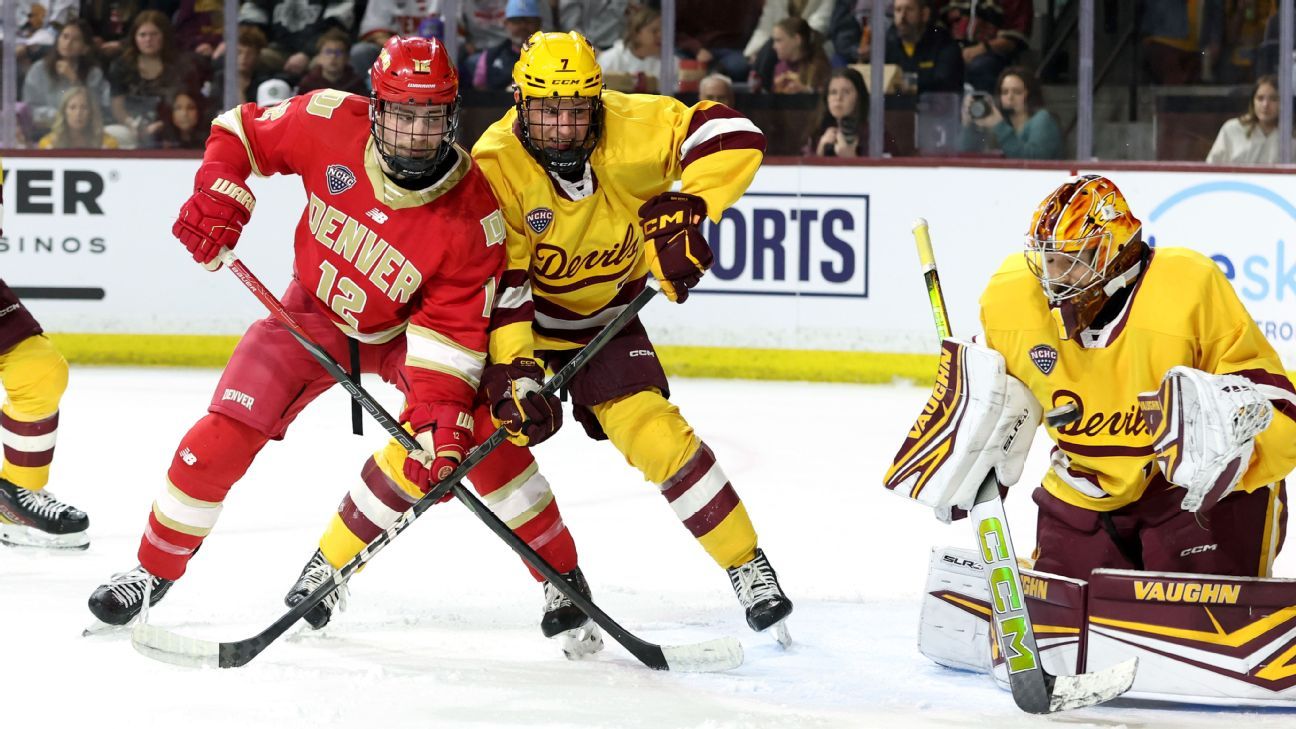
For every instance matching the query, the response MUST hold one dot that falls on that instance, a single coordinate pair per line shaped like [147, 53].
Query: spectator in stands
[291, 35]
[250, 72]
[842, 130]
[332, 66]
[110, 22]
[715, 33]
[149, 70]
[802, 66]
[638, 53]
[200, 27]
[1019, 123]
[384, 18]
[1181, 39]
[992, 33]
[844, 31]
[1253, 137]
[68, 64]
[494, 70]
[924, 51]
[601, 21]
[182, 123]
[78, 124]
[716, 87]
[481, 26]
[760, 47]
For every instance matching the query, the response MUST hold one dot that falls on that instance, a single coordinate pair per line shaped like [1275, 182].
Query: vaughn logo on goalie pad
[340, 179]
[1044, 357]
[539, 219]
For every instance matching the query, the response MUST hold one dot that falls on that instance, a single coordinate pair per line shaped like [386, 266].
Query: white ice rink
[442, 628]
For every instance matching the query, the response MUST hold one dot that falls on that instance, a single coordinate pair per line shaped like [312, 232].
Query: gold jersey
[575, 250]
[1182, 311]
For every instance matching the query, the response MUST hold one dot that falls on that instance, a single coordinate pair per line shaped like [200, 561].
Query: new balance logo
[377, 216]
[233, 190]
[238, 397]
[188, 457]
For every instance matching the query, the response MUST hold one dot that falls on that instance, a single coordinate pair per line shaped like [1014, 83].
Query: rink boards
[815, 275]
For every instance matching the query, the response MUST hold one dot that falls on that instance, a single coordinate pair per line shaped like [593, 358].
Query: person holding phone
[1019, 124]
[842, 128]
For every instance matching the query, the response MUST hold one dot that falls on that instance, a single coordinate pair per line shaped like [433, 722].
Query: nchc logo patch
[340, 179]
[539, 219]
[1044, 357]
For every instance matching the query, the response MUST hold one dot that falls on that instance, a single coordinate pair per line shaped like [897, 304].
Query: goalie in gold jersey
[1183, 424]
[583, 177]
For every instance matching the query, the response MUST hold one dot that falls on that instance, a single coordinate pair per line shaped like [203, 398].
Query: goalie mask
[1083, 245]
[558, 88]
[414, 105]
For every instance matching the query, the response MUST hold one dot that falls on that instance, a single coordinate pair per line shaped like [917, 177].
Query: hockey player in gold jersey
[583, 177]
[34, 375]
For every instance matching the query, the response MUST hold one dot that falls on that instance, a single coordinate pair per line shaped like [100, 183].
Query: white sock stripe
[197, 517]
[382, 515]
[163, 544]
[700, 494]
[532, 492]
[29, 443]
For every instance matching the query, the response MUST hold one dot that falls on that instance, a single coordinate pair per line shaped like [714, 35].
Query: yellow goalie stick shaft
[928, 258]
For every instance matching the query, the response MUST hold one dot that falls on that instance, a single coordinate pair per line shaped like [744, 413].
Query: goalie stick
[1034, 690]
[713, 655]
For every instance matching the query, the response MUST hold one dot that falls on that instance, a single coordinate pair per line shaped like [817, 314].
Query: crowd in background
[151, 73]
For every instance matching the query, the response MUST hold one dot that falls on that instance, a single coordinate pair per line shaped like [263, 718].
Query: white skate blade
[99, 627]
[1089, 689]
[782, 635]
[720, 654]
[163, 645]
[16, 535]
[581, 642]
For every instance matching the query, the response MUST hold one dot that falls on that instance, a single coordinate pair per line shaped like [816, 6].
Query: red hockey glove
[677, 252]
[444, 435]
[513, 393]
[213, 217]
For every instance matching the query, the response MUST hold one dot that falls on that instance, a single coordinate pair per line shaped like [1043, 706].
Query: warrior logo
[340, 179]
[539, 219]
[1044, 357]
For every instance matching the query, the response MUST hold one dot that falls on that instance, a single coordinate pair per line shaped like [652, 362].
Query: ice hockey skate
[37, 519]
[758, 590]
[578, 634]
[119, 600]
[315, 573]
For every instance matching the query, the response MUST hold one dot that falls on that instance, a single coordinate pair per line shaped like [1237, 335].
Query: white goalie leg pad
[1204, 639]
[954, 629]
[1204, 428]
[978, 418]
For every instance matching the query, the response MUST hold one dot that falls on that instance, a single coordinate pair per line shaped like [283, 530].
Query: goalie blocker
[1202, 639]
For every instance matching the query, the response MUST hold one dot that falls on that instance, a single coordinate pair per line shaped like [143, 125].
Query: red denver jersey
[383, 260]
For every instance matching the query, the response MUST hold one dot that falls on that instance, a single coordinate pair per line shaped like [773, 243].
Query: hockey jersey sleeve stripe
[1276, 387]
[231, 120]
[717, 134]
[432, 350]
[178, 511]
[597, 320]
[514, 297]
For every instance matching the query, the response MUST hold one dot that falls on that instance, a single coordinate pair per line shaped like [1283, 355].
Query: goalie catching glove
[444, 435]
[513, 394]
[1203, 431]
[214, 215]
[979, 419]
[677, 253]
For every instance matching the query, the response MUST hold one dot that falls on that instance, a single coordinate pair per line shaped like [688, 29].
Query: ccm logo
[642, 353]
[1198, 549]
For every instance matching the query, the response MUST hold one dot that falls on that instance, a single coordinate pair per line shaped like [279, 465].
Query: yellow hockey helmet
[1083, 245]
[558, 86]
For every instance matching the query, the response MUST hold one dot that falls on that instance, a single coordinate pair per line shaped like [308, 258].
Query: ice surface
[442, 628]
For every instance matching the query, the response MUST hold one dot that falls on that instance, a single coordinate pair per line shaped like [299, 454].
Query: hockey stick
[1034, 690]
[714, 655]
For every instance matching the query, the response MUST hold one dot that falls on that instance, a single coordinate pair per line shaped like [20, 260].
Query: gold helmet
[1083, 245]
[558, 88]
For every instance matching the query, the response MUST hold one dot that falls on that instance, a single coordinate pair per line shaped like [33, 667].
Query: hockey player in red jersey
[397, 255]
